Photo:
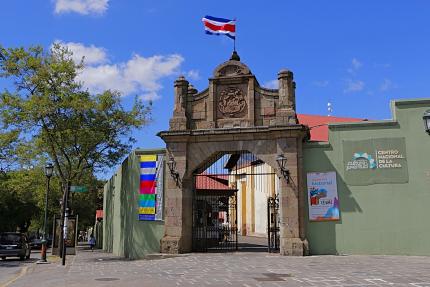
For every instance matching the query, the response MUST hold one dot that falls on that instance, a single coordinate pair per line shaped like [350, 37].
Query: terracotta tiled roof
[319, 124]
[212, 182]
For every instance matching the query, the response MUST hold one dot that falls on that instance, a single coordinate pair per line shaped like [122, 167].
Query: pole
[44, 241]
[268, 224]
[60, 238]
[65, 237]
[65, 215]
[234, 39]
[45, 220]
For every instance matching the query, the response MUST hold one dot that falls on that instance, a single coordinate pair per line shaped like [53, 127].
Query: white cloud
[273, 84]
[355, 65]
[193, 75]
[139, 75]
[353, 86]
[321, 84]
[91, 54]
[151, 96]
[83, 7]
[387, 85]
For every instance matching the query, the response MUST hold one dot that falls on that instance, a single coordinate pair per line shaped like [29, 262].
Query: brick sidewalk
[231, 269]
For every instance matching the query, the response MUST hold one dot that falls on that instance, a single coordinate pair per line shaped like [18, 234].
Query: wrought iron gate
[214, 221]
[218, 185]
[273, 224]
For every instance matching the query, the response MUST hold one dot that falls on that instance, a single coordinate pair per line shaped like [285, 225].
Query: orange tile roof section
[216, 182]
[319, 124]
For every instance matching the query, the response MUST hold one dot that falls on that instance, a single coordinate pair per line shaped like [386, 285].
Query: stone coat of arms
[231, 101]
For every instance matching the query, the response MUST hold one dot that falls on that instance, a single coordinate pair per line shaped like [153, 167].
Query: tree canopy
[47, 115]
[74, 128]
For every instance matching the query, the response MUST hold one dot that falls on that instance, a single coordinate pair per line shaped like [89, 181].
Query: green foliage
[8, 145]
[22, 198]
[48, 115]
[77, 130]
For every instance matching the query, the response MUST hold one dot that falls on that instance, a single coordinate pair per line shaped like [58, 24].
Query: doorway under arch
[233, 204]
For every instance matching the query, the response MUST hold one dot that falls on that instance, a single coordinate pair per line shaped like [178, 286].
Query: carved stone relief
[231, 70]
[231, 102]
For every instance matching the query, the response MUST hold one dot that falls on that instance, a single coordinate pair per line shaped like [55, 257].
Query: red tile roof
[319, 124]
[212, 182]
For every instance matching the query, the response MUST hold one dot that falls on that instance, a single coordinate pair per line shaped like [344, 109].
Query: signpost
[77, 188]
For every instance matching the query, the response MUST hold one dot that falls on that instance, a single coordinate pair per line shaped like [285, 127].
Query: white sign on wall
[322, 196]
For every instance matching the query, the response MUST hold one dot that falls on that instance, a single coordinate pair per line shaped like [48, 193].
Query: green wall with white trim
[123, 234]
[379, 218]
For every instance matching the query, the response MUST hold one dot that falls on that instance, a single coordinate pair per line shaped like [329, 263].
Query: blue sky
[357, 54]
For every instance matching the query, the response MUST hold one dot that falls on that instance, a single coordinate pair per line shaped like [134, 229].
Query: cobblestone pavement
[231, 269]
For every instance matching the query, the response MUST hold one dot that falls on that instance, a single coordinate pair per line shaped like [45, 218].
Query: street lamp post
[49, 169]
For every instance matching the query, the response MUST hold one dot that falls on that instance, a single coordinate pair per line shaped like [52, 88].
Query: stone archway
[234, 114]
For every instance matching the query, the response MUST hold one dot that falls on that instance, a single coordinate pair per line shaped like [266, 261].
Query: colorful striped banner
[146, 210]
[147, 190]
[147, 203]
[147, 197]
[148, 184]
[150, 217]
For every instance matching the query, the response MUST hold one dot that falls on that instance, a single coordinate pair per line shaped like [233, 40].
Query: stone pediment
[231, 68]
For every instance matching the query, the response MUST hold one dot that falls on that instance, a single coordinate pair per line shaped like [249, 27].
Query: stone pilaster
[292, 242]
[286, 112]
[179, 119]
[178, 203]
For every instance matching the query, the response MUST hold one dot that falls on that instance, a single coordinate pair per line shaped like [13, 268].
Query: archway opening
[235, 204]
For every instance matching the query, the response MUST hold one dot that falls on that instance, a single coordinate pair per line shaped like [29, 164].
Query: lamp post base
[42, 262]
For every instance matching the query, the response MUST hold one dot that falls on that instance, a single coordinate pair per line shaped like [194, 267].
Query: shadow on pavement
[15, 262]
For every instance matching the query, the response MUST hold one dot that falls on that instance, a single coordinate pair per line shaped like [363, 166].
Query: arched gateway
[234, 114]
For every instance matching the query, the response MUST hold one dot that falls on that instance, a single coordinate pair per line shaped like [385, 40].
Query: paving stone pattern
[231, 269]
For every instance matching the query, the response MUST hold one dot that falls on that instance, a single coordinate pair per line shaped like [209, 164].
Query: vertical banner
[159, 188]
[322, 196]
[149, 177]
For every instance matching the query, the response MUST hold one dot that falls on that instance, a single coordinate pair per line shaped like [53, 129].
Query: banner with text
[380, 160]
[322, 196]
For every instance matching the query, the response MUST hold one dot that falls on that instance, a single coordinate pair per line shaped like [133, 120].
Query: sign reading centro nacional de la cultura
[379, 160]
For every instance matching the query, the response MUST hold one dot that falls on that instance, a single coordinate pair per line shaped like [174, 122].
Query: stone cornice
[364, 124]
[300, 130]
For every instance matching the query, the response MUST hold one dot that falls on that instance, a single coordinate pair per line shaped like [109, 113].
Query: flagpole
[234, 40]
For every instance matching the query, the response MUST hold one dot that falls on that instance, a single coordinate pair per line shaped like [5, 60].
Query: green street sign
[77, 188]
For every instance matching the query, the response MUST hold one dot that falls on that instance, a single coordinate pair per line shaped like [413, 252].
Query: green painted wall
[378, 218]
[123, 234]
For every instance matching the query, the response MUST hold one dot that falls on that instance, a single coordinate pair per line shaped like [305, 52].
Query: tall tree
[79, 131]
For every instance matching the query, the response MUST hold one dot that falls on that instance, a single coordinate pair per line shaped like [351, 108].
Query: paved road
[231, 269]
[12, 268]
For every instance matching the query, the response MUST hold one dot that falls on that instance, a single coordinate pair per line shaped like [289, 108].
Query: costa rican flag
[218, 26]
